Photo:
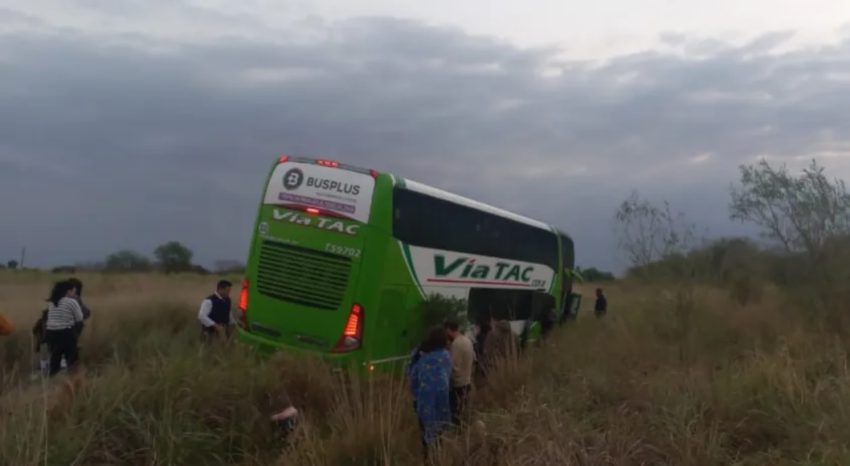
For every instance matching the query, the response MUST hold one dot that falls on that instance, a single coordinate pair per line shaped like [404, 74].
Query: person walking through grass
[63, 316]
[463, 360]
[600, 308]
[430, 378]
[214, 314]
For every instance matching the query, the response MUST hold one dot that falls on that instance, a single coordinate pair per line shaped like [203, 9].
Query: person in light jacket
[64, 314]
[463, 360]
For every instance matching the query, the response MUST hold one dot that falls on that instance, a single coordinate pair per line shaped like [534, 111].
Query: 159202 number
[342, 250]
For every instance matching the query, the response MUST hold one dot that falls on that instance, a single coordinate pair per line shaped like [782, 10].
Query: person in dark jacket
[79, 298]
[482, 330]
[500, 346]
[214, 315]
[601, 306]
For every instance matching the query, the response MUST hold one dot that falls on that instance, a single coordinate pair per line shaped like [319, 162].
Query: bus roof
[457, 199]
[441, 194]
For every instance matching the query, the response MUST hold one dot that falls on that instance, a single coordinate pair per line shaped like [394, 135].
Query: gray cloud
[110, 141]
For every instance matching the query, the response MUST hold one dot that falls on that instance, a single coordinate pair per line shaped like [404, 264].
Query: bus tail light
[328, 163]
[352, 333]
[243, 303]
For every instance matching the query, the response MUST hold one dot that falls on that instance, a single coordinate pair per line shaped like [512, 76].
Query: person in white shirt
[463, 360]
[214, 314]
[63, 316]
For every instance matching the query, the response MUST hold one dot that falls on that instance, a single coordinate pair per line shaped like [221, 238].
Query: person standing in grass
[463, 360]
[499, 347]
[482, 330]
[601, 306]
[214, 315]
[79, 298]
[63, 316]
[430, 379]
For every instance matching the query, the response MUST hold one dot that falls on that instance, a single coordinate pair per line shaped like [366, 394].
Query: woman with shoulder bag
[63, 316]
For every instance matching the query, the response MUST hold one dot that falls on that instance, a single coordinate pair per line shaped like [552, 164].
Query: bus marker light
[312, 210]
[283, 159]
[328, 163]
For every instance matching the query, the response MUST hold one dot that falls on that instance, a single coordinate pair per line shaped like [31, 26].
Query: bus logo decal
[292, 179]
[504, 271]
[436, 267]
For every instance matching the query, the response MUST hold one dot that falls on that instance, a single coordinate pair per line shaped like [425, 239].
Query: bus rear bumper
[267, 347]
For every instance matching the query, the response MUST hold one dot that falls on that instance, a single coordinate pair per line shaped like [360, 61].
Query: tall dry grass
[126, 308]
[688, 376]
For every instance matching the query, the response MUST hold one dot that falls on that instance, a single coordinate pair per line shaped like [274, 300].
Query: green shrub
[437, 309]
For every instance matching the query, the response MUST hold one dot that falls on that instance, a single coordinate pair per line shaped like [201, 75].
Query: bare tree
[801, 213]
[648, 233]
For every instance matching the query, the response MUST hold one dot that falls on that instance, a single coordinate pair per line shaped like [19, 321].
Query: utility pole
[23, 256]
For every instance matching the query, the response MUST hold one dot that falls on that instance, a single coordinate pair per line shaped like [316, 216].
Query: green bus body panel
[348, 262]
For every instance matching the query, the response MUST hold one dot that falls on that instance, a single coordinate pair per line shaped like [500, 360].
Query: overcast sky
[127, 124]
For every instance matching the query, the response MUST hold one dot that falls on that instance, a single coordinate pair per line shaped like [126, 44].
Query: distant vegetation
[173, 257]
[437, 309]
[170, 257]
[127, 261]
[592, 274]
[805, 219]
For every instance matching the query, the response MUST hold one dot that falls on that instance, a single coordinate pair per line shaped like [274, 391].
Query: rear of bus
[300, 289]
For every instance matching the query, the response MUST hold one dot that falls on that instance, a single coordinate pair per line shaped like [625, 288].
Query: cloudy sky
[126, 124]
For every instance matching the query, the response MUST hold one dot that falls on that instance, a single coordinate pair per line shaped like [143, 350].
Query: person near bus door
[214, 315]
[463, 360]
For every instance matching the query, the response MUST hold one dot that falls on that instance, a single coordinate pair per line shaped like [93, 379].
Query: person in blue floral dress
[430, 375]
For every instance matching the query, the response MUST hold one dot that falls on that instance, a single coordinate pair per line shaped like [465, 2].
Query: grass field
[673, 376]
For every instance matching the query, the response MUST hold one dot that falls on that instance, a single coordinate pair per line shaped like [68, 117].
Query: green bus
[342, 260]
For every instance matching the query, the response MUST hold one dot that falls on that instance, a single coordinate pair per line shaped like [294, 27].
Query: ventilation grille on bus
[302, 276]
